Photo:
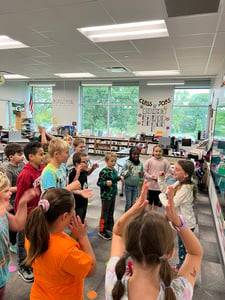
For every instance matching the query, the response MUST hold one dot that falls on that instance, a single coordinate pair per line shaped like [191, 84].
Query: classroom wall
[65, 102]
[17, 92]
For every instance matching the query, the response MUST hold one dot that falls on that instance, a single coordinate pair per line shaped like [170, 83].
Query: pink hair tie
[45, 204]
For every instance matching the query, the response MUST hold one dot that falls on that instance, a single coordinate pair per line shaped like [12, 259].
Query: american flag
[31, 104]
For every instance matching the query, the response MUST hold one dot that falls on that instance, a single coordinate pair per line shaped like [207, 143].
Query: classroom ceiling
[195, 45]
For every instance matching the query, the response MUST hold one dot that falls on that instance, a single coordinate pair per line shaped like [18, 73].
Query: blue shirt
[4, 250]
[53, 177]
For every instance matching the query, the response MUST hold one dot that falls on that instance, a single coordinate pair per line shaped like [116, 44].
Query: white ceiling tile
[197, 24]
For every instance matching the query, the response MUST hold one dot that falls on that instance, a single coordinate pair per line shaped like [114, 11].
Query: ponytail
[118, 290]
[37, 234]
[166, 275]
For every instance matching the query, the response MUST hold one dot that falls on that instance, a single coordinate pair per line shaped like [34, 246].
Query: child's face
[37, 159]
[5, 195]
[157, 152]
[111, 162]
[84, 163]
[63, 156]
[135, 155]
[178, 173]
[17, 158]
[80, 147]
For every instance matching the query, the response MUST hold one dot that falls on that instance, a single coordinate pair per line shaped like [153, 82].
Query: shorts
[153, 198]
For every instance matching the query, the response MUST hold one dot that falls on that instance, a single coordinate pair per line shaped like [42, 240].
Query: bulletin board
[154, 117]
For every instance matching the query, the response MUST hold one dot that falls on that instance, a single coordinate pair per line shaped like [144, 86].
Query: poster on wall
[154, 117]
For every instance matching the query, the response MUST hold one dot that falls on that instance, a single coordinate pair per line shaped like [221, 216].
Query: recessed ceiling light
[74, 75]
[14, 76]
[157, 73]
[126, 31]
[7, 43]
[116, 69]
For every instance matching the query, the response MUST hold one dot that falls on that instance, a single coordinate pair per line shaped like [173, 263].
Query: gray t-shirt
[12, 173]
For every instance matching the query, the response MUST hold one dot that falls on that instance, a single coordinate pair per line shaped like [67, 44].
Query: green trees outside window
[42, 99]
[110, 110]
[220, 124]
[190, 110]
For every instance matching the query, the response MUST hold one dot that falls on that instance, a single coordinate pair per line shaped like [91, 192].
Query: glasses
[85, 161]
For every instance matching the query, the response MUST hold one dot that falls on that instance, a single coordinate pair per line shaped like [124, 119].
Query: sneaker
[105, 235]
[13, 248]
[26, 273]
[110, 231]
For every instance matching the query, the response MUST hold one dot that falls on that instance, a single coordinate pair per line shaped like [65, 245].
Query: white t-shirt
[180, 285]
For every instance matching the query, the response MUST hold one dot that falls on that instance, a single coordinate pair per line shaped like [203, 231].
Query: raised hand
[142, 201]
[77, 228]
[29, 195]
[87, 193]
[170, 211]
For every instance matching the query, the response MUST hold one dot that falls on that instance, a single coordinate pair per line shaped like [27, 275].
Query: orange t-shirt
[60, 271]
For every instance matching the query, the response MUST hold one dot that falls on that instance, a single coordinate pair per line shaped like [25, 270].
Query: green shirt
[108, 192]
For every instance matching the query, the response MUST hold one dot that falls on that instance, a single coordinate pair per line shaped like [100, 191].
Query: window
[190, 110]
[111, 111]
[219, 132]
[42, 99]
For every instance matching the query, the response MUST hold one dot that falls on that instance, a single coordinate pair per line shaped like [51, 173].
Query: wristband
[183, 224]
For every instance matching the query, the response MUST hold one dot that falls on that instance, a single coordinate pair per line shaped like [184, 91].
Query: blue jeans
[131, 193]
[182, 250]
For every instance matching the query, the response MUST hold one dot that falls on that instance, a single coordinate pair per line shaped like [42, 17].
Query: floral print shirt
[181, 286]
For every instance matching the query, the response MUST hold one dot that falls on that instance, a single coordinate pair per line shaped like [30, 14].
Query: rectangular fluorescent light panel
[14, 76]
[96, 84]
[165, 83]
[42, 84]
[7, 43]
[74, 75]
[126, 31]
[157, 73]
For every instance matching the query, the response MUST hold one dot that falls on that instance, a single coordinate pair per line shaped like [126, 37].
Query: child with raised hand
[148, 239]
[11, 222]
[133, 172]
[54, 174]
[107, 182]
[59, 262]
[152, 167]
[184, 196]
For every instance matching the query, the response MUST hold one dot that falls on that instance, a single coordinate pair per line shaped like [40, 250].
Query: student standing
[152, 167]
[133, 172]
[14, 153]
[8, 222]
[80, 173]
[60, 263]
[54, 174]
[107, 182]
[148, 239]
[184, 196]
[28, 178]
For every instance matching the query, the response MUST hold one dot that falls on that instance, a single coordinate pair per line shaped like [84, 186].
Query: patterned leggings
[182, 250]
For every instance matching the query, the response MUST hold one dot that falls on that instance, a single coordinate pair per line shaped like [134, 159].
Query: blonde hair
[4, 181]
[57, 145]
[67, 138]
[78, 141]
[108, 155]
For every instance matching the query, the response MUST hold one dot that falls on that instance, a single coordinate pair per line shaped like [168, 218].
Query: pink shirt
[152, 167]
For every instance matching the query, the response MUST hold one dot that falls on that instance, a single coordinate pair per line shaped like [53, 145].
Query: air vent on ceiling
[116, 69]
